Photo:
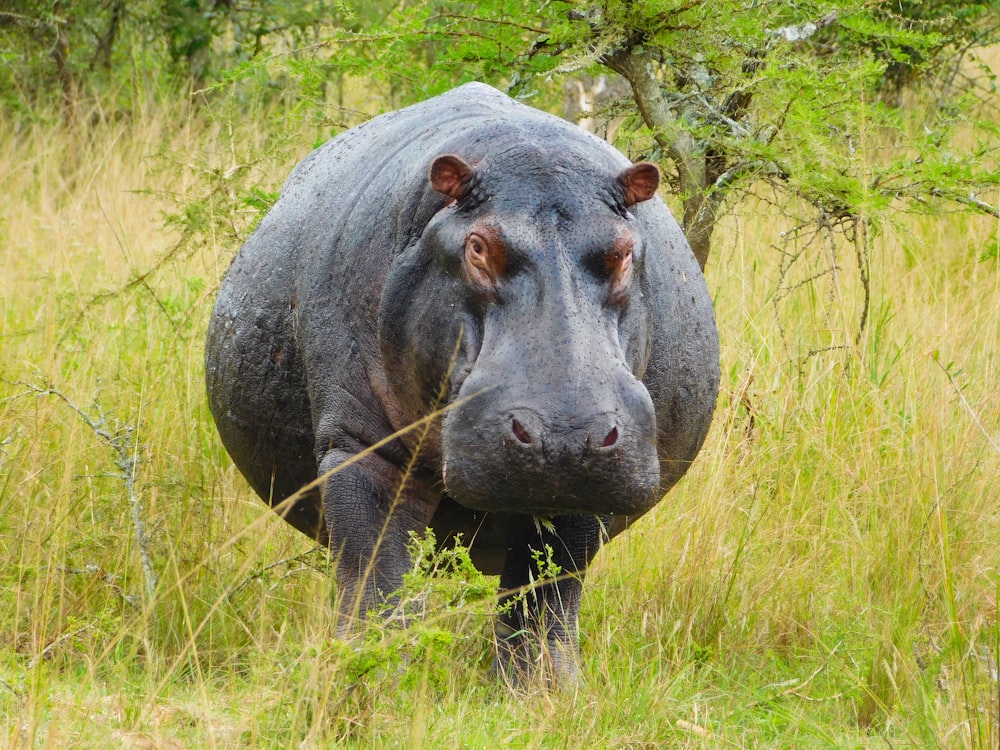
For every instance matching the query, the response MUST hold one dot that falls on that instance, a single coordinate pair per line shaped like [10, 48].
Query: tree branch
[802, 31]
[968, 200]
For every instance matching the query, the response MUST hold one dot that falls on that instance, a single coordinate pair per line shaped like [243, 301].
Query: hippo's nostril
[611, 438]
[520, 433]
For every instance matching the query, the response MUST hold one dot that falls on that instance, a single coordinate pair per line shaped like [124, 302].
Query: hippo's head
[524, 297]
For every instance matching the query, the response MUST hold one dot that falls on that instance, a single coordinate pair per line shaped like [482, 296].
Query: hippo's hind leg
[541, 586]
[258, 398]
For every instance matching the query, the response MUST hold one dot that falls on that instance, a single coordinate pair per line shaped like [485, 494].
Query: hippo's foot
[524, 659]
[384, 611]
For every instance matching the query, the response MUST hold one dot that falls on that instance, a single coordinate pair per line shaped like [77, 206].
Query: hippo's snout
[521, 459]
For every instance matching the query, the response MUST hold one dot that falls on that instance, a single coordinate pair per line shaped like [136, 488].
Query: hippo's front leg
[536, 631]
[369, 518]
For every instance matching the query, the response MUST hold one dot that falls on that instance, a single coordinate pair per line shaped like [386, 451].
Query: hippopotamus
[470, 316]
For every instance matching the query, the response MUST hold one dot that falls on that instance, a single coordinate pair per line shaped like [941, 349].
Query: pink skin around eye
[618, 262]
[485, 259]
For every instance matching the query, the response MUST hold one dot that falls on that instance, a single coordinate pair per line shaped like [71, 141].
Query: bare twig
[121, 439]
[50, 22]
[46, 652]
[108, 579]
[301, 558]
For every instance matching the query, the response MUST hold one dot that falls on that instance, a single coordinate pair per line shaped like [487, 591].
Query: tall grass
[826, 575]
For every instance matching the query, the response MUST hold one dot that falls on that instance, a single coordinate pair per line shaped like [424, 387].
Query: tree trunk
[106, 44]
[60, 56]
[695, 180]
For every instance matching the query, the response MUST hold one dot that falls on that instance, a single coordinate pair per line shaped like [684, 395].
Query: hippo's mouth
[598, 495]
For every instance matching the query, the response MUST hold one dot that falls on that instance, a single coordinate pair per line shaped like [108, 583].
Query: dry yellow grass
[828, 574]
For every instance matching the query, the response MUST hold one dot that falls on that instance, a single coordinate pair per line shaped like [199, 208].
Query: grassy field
[828, 574]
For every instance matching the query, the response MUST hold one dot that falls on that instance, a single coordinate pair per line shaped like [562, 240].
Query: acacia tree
[777, 98]
[727, 94]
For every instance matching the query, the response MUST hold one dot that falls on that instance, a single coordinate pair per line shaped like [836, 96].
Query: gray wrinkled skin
[391, 279]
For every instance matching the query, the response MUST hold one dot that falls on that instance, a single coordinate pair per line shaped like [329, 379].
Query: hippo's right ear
[450, 176]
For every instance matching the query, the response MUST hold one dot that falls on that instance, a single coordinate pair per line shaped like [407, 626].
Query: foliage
[730, 99]
[725, 96]
[958, 27]
[87, 53]
[791, 102]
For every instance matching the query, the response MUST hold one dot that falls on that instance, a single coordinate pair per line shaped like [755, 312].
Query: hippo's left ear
[450, 175]
[640, 182]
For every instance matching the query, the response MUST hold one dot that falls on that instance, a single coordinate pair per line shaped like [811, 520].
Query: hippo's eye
[618, 265]
[475, 249]
[485, 260]
[616, 258]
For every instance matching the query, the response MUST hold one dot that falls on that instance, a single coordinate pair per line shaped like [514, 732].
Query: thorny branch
[968, 200]
[121, 439]
[46, 652]
[303, 560]
[108, 579]
[705, 175]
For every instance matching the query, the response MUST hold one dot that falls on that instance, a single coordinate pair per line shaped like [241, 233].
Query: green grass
[827, 575]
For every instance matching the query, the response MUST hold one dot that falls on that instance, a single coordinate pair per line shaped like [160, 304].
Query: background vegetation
[828, 574]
